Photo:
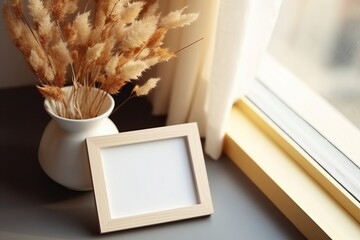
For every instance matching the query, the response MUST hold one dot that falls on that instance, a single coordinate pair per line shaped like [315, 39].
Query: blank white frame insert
[149, 176]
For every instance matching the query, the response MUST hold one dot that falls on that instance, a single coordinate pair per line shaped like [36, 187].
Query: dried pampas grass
[105, 47]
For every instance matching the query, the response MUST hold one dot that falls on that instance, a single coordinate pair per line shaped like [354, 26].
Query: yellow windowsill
[299, 196]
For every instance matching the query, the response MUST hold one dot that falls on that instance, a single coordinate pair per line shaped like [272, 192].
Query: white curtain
[206, 78]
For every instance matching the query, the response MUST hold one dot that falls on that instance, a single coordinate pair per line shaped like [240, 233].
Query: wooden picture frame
[148, 177]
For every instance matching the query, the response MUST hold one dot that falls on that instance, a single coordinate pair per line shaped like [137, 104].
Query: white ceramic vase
[62, 151]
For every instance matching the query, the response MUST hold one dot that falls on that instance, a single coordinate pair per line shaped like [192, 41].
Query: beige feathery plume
[69, 33]
[110, 67]
[36, 61]
[118, 31]
[70, 6]
[17, 7]
[94, 52]
[146, 88]
[40, 66]
[41, 19]
[152, 61]
[28, 42]
[157, 38]
[139, 32]
[45, 27]
[62, 8]
[133, 69]
[49, 73]
[144, 53]
[122, 59]
[51, 92]
[15, 25]
[150, 8]
[57, 9]
[130, 13]
[61, 53]
[61, 58]
[112, 85]
[164, 54]
[177, 19]
[37, 10]
[107, 51]
[97, 34]
[81, 26]
[100, 6]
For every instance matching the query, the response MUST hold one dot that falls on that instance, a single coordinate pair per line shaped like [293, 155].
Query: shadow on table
[28, 197]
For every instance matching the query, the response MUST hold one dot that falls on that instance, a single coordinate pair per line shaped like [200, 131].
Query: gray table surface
[34, 207]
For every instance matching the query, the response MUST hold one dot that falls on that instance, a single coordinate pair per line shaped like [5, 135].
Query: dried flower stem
[189, 45]
[132, 95]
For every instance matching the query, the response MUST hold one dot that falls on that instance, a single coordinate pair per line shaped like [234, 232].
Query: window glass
[319, 41]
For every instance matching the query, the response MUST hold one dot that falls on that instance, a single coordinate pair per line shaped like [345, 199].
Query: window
[314, 55]
[320, 46]
[319, 41]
